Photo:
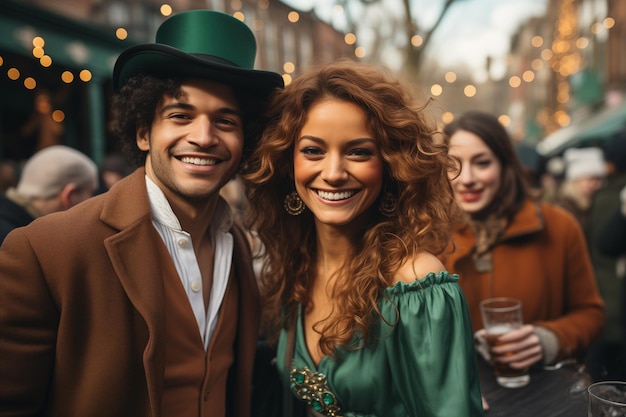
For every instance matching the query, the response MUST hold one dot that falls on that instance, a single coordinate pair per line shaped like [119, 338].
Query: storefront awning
[597, 128]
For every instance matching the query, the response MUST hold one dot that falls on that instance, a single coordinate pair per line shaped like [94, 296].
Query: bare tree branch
[413, 56]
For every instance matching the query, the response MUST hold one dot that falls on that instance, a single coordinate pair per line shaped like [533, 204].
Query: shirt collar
[162, 211]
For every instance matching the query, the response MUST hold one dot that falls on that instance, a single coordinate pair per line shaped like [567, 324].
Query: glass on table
[607, 399]
[500, 316]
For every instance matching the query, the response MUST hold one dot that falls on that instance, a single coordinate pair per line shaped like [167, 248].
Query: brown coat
[82, 323]
[541, 259]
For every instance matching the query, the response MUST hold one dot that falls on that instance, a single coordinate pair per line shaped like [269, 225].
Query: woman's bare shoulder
[417, 267]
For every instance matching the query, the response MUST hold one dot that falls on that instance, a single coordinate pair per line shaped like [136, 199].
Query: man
[585, 171]
[8, 174]
[53, 179]
[607, 357]
[142, 301]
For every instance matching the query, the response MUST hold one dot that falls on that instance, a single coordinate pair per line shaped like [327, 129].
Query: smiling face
[195, 142]
[338, 168]
[479, 180]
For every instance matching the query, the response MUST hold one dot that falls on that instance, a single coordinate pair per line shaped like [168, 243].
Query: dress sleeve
[430, 347]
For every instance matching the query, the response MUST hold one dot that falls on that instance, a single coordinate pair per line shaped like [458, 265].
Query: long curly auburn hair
[416, 172]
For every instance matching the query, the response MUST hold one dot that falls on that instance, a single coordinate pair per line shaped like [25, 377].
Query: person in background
[8, 174]
[54, 179]
[350, 197]
[41, 129]
[585, 171]
[607, 357]
[532, 163]
[513, 245]
[142, 301]
[113, 168]
[235, 195]
[612, 236]
[552, 179]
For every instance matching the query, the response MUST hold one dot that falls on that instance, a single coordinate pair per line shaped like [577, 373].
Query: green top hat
[203, 44]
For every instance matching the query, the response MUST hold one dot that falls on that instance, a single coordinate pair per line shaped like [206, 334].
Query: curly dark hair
[416, 172]
[134, 109]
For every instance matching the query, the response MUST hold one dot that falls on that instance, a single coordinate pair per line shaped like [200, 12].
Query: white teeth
[336, 196]
[198, 161]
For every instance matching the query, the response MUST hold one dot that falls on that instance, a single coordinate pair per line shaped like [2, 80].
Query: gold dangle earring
[294, 204]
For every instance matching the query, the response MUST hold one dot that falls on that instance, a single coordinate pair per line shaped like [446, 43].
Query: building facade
[56, 60]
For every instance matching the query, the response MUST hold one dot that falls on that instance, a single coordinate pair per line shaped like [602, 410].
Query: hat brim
[165, 61]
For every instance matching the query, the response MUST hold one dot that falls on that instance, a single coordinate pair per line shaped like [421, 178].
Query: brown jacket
[541, 259]
[82, 322]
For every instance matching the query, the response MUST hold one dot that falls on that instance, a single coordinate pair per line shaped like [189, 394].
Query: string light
[45, 61]
[38, 52]
[293, 17]
[38, 42]
[515, 81]
[121, 33]
[447, 117]
[436, 90]
[289, 67]
[504, 120]
[67, 77]
[30, 83]
[13, 74]
[564, 61]
[58, 116]
[528, 76]
[469, 90]
[165, 9]
[85, 75]
[417, 40]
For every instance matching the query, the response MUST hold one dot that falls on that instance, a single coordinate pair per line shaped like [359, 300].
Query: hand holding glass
[500, 316]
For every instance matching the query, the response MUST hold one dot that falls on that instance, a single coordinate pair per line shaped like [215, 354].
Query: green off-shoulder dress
[423, 366]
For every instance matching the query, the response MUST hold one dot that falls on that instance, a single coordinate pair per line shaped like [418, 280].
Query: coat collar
[528, 220]
[130, 194]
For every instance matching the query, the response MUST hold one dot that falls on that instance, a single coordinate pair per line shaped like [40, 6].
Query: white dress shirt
[178, 243]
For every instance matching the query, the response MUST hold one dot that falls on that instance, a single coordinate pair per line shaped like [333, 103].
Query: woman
[350, 197]
[514, 246]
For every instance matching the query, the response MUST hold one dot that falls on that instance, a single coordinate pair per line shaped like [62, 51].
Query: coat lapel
[134, 253]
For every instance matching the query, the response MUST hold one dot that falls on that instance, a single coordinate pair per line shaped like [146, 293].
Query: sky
[471, 30]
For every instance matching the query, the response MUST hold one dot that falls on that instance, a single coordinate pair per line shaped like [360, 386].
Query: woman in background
[351, 199]
[513, 245]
